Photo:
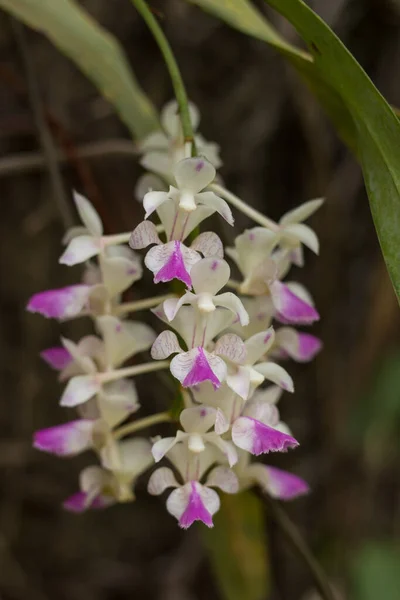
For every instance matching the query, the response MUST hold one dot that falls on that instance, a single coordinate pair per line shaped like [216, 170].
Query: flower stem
[233, 284]
[176, 77]
[295, 538]
[137, 305]
[163, 417]
[251, 212]
[132, 371]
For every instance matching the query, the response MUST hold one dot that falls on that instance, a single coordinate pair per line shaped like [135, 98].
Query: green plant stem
[163, 417]
[247, 210]
[175, 74]
[294, 536]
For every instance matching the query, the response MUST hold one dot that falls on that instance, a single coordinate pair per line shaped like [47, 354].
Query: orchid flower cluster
[218, 343]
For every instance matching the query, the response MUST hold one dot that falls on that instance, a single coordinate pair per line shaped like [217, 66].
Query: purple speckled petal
[60, 303]
[68, 439]
[57, 357]
[78, 502]
[285, 485]
[289, 307]
[257, 438]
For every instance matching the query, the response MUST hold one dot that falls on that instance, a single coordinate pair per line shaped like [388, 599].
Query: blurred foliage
[375, 572]
[375, 419]
[95, 51]
[237, 548]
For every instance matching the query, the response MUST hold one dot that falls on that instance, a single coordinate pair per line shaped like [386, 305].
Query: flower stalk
[174, 72]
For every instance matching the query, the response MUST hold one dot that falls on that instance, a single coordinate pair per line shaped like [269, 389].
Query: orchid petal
[259, 344]
[196, 366]
[119, 272]
[148, 183]
[194, 174]
[209, 244]
[193, 502]
[79, 502]
[57, 357]
[152, 200]
[162, 446]
[300, 346]
[217, 204]
[129, 458]
[172, 305]
[209, 275]
[144, 235]
[227, 448]
[171, 261]
[239, 382]
[164, 345]
[276, 374]
[88, 215]
[79, 390]
[197, 419]
[79, 249]
[277, 483]
[83, 361]
[291, 307]
[257, 438]
[157, 162]
[301, 213]
[68, 439]
[235, 305]
[253, 247]
[171, 120]
[302, 233]
[60, 303]
[160, 480]
[232, 347]
[123, 339]
[223, 478]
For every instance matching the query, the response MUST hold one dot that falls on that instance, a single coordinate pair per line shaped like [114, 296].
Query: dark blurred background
[278, 151]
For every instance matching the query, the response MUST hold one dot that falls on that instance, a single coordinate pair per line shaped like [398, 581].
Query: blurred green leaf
[375, 572]
[95, 51]
[377, 414]
[237, 547]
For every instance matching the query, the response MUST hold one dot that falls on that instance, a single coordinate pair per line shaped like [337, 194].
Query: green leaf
[95, 51]
[376, 126]
[242, 15]
[359, 112]
[375, 572]
[237, 548]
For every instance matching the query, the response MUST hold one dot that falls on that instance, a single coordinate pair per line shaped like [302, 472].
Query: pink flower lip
[174, 268]
[195, 510]
[201, 371]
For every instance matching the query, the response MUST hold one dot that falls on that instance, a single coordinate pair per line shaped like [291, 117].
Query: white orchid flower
[193, 499]
[163, 149]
